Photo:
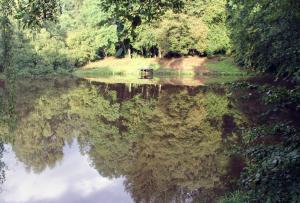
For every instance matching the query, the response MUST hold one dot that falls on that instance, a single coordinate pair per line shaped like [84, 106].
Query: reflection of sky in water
[73, 180]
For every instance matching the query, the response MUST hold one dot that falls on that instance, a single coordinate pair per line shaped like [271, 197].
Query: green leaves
[146, 9]
[7, 7]
[33, 13]
[274, 158]
[92, 43]
[181, 33]
[266, 35]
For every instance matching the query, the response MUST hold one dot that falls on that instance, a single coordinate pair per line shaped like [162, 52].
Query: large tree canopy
[137, 10]
[128, 15]
[32, 13]
[181, 33]
[90, 30]
[266, 35]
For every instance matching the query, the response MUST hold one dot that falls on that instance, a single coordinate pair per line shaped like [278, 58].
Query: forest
[257, 117]
[88, 31]
[59, 36]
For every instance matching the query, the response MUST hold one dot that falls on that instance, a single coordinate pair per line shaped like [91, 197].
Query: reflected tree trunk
[129, 53]
[1, 104]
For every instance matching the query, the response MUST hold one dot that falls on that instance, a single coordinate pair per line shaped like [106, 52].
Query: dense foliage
[214, 15]
[32, 14]
[89, 34]
[92, 29]
[171, 26]
[60, 35]
[191, 32]
[270, 146]
[266, 35]
[273, 165]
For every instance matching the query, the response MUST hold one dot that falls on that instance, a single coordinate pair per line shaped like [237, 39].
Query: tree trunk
[159, 53]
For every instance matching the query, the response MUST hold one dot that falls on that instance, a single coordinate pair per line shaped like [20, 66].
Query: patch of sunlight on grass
[225, 66]
[112, 66]
[94, 72]
[183, 67]
[171, 72]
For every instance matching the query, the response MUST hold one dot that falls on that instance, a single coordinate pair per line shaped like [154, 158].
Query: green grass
[131, 67]
[169, 72]
[127, 67]
[95, 72]
[118, 66]
[225, 67]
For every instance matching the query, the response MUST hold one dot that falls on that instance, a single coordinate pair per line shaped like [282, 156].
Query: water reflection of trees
[179, 148]
[165, 146]
[7, 112]
[45, 124]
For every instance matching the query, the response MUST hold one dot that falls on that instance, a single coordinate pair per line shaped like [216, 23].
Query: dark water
[72, 141]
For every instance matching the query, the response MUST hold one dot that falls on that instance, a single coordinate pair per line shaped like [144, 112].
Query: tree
[213, 15]
[129, 15]
[32, 13]
[146, 40]
[90, 36]
[91, 43]
[266, 35]
[181, 34]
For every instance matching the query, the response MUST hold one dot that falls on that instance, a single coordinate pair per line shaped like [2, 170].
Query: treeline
[266, 35]
[94, 31]
[88, 30]
[262, 35]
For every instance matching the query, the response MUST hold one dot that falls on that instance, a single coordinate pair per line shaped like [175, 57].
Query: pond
[70, 140]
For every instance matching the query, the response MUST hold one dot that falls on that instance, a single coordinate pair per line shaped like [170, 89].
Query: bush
[181, 33]
[273, 172]
[90, 44]
[40, 53]
[266, 35]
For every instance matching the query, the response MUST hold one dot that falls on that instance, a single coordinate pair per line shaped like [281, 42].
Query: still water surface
[72, 180]
[76, 141]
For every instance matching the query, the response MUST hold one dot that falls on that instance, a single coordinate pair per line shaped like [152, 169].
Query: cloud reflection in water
[73, 180]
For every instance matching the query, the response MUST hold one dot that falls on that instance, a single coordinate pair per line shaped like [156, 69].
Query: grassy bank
[224, 66]
[184, 66]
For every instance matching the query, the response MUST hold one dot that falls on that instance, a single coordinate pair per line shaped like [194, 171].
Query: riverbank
[183, 67]
[162, 66]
